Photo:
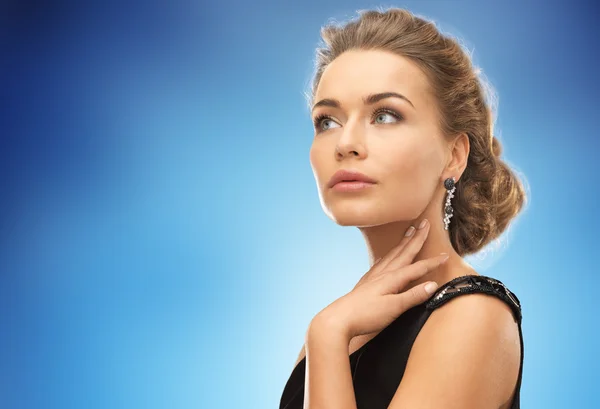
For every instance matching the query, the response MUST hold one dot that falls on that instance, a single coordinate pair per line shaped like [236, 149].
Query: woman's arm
[467, 356]
[328, 381]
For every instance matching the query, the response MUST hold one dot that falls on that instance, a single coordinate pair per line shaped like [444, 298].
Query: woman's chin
[354, 217]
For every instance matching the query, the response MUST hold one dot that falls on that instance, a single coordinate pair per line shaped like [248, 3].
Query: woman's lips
[349, 175]
[351, 186]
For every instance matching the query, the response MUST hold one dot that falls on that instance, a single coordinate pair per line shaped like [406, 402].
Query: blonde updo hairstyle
[488, 194]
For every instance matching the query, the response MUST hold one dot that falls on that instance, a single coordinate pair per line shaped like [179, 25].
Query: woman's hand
[377, 300]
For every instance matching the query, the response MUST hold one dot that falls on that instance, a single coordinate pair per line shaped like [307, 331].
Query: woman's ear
[459, 154]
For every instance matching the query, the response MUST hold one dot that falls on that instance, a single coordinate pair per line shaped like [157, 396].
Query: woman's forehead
[357, 73]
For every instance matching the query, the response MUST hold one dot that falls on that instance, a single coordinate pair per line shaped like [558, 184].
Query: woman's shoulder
[469, 322]
[470, 342]
[471, 284]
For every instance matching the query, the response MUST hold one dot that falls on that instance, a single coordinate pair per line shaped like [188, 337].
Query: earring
[448, 210]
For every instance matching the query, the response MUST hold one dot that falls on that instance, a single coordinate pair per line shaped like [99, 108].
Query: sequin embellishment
[475, 284]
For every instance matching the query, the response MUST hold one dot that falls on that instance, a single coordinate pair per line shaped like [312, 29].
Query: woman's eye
[325, 121]
[318, 122]
[377, 114]
[382, 112]
[383, 115]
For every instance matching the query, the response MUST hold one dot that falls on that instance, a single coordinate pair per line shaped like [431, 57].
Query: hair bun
[496, 147]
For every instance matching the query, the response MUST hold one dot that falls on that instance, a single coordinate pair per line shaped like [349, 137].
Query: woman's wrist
[329, 377]
[327, 329]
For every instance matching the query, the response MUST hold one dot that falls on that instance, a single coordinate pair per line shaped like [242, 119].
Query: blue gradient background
[161, 240]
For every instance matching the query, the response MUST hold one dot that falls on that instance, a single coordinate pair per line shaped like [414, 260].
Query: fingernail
[410, 231]
[444, 256]
[423, 223]
[430, 287]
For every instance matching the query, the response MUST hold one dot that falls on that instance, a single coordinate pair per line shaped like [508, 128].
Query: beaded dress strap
[475, 284]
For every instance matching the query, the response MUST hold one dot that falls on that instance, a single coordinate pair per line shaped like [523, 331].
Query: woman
[403, 149]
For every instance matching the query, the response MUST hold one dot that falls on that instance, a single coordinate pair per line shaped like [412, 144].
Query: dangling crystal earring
[448, 210]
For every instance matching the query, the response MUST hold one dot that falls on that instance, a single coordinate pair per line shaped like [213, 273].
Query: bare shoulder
[467, 355]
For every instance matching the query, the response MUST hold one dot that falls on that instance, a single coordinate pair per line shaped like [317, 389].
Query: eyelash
[319, 118]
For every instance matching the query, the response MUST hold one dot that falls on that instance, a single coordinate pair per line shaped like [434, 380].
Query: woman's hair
[488, 195]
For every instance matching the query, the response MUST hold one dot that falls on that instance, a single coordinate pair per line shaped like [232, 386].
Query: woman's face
[404, 154]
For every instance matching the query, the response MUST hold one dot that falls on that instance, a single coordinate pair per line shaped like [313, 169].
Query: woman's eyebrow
[368, 100]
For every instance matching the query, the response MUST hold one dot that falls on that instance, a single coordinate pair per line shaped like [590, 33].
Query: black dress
[377, 367]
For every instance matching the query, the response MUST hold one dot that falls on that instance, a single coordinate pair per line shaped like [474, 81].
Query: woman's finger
[396, 281]
[411, 298]
[411, 249]
[385, 260]
[380, 264]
